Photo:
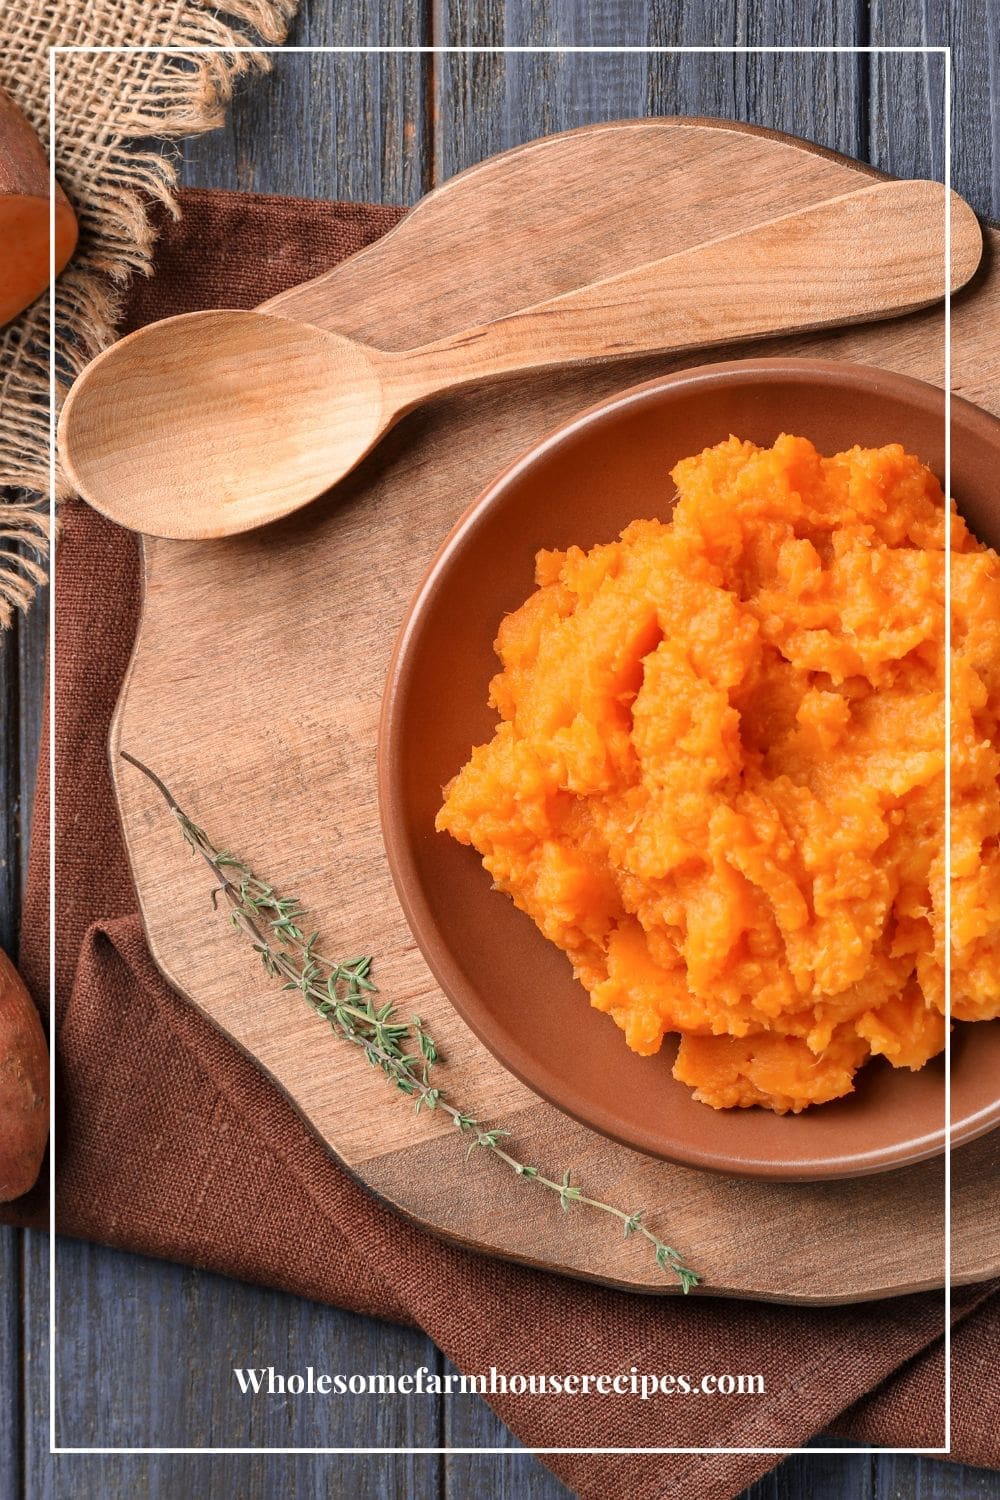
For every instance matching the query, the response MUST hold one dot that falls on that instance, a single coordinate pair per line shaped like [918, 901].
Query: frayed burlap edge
[105, 105]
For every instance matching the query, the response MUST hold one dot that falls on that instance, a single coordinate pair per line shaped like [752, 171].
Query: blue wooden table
[145, 1349]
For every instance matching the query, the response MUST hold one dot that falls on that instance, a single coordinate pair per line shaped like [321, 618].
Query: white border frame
[943, 51]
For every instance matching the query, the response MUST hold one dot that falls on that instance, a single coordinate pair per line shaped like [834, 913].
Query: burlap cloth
[171, 1143]
[114, 113]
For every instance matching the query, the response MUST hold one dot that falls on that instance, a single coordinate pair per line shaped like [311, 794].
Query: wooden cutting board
[255, 688]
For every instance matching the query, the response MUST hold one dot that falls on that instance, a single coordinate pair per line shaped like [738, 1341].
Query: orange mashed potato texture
[718, 778]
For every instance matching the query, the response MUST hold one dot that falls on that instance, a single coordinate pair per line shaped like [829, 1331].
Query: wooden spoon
[212, 423]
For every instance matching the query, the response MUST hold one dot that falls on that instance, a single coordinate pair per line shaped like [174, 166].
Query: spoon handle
[873, 253]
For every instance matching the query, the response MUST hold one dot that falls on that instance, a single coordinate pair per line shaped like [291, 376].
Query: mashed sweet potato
[718, 778]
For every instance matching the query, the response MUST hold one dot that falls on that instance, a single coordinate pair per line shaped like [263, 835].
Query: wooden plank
[820, 1476]
[487, 103]
[349, 126]
[225, 1476]
[10, 1362]
[906, 97]
[38, 1478]
[146, 1354]
[469, 1423]
[907, 94]
[906, 137]
[906, 1477]
[909, 139]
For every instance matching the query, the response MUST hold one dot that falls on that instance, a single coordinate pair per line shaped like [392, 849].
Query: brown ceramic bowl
[583, 484]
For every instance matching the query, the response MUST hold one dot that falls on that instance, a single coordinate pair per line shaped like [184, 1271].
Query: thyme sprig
[342, 992]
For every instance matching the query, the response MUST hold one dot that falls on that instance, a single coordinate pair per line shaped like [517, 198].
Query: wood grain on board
[283, 771]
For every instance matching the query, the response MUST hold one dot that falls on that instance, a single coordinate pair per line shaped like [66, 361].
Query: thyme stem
[342, 992]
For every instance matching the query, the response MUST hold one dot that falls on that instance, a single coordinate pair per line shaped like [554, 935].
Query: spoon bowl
[272, 412]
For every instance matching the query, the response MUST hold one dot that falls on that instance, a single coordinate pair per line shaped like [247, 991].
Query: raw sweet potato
[24, 1086]
[24, 214]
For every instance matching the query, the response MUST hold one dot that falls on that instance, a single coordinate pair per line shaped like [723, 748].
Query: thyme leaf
[342, 993]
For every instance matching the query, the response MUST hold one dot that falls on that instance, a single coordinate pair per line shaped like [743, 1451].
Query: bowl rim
[504, 1048]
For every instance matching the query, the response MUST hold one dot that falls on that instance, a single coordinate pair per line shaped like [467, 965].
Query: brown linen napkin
[172, 1143]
